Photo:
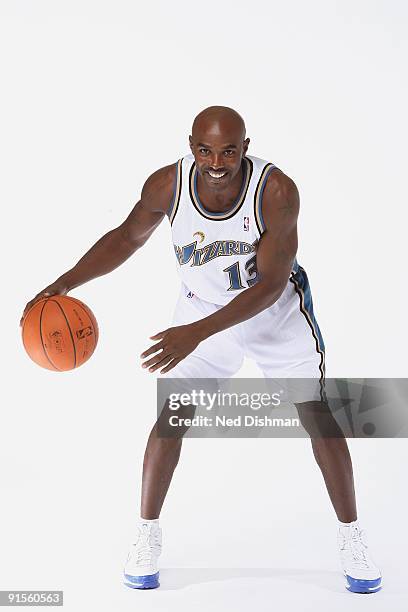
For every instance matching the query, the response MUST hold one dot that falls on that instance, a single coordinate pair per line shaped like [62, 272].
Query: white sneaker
[141, 565]
[362, 575]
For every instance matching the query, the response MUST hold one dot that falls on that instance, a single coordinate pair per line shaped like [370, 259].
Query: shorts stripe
[302, 288]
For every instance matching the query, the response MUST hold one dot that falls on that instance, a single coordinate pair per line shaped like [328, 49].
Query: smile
[216, 175]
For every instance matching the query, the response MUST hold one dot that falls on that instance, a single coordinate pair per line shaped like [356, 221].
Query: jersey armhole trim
[176, 193]
[260, 223]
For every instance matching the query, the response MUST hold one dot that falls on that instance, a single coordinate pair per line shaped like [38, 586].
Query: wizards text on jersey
[219, 248]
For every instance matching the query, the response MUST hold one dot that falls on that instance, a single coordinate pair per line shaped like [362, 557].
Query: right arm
[117, 245]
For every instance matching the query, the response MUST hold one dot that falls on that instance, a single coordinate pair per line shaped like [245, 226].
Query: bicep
[152, 207]
[275, 255]
[278, 245]
[140, 224]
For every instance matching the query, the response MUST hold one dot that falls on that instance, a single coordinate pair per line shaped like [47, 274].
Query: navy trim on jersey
[260, 223]
[220, 216]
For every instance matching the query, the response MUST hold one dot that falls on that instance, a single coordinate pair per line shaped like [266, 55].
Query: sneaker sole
[142, 582]
[354, 585]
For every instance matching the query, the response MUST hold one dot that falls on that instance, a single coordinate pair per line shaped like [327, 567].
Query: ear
[191, 143]
[246, 145]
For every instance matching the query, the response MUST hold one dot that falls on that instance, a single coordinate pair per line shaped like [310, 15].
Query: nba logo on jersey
[246, 224]
[190, 294]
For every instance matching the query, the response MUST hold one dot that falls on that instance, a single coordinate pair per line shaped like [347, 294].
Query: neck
[222, 200]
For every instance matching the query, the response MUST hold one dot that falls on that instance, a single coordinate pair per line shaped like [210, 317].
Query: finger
[161, 363]
[26, 309]
[38, 297]
[155, 359]
[171, 365]
[153, 349]
[22, 318]
[158, 336]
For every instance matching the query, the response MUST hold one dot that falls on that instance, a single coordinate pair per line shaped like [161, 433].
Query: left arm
[274, 258]
[276, 251]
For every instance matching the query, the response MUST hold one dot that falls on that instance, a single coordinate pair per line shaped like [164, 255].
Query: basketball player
[233, 218]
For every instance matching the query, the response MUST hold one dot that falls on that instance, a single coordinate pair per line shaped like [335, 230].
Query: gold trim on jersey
[258, 197]
[220, 216]
[177, 192]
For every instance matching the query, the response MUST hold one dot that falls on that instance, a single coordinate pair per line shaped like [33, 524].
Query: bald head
[218, 144]
[219, 119]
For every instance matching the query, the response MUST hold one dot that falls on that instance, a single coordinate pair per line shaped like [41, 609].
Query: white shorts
[284, 340]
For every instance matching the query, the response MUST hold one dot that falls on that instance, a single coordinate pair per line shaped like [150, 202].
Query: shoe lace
[357, 548]
[143, 548]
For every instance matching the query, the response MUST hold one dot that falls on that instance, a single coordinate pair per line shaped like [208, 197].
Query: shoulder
[279, 207]
[163, 178]
[280, 185]
[157, 192]
[280, 194]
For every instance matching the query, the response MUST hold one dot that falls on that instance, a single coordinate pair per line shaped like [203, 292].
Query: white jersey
[216, 251]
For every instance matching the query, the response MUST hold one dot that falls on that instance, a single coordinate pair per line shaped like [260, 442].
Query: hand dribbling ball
[60, 333]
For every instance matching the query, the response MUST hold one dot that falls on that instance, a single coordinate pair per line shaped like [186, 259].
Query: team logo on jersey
[201, 236]
[219, 248]
[246, 224]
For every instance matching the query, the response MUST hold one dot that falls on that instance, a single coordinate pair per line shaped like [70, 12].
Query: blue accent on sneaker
[142, 582]
[363, 586]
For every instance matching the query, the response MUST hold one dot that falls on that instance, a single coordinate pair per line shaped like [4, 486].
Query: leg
[160, 460]
[332, 455]
[163, 448]
[333, 458]
[161, 457]
[206, 361]
[287, 344]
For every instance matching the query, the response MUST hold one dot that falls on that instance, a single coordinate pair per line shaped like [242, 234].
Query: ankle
[351, 524]
[154, 521]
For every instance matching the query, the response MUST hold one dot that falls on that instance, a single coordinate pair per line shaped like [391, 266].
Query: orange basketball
[60, 333]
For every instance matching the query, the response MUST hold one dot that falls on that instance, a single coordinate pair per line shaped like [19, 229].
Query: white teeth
[216, 174]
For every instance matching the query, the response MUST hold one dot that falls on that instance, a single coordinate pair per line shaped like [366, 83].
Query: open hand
[175, 344]
[57, 288]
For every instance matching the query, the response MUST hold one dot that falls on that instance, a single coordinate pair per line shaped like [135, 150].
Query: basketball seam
[42, 340]
[91, 317]
[69, 327]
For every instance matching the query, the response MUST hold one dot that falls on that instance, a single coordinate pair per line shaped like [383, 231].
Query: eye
[203, 151]
[229, 152]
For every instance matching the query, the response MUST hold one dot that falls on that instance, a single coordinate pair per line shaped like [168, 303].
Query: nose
[215, 161]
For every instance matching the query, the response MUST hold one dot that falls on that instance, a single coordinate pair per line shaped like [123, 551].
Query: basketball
[60, 333]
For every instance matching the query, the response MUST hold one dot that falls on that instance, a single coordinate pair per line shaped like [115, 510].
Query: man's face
[218, 150]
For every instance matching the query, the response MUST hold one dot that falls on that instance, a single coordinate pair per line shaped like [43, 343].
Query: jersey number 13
[234, 273]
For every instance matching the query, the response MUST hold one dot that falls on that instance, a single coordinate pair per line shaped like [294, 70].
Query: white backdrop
[96, 95]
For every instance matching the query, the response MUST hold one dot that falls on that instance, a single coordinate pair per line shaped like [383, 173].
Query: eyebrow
[229, 146]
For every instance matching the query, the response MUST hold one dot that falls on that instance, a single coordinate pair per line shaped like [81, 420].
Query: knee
[171, 424]
[318, 421]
